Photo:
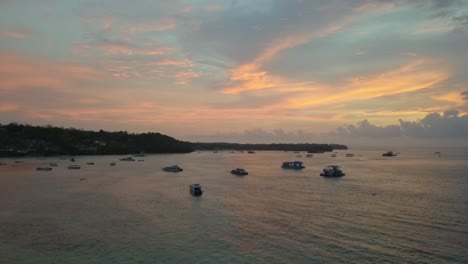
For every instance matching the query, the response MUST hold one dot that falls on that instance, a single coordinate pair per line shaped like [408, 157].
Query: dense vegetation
[311, 148]
[27, 140]
[22, 140]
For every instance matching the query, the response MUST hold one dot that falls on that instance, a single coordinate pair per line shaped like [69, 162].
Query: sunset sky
[239, 70]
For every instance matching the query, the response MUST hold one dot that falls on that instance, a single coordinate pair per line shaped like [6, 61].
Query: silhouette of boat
[239, 171]
[74, 167]
[389, 154]
[44, 168]
[196, 189]
[173, 168]
[332, 171]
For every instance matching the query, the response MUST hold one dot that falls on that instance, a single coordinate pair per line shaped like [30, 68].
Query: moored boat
[44, 168]
[74, 167]
[127, 159]
[349, 155]
[332, 171]
[173, 168]
[309, 155]
[389, 154]
[196, 189]
[239, 171]
[295, 165]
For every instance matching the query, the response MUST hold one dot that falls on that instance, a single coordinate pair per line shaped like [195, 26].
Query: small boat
[2, 164]
[127, 159]
[239, 171]
[196, 189]
[141, 160]
[173, 168]
[437, 153]
[74, 167]
[19, 161]
[350, 155]
[251, 152]
[90, 163]
[72, 159]
[139, 155]
[332, 171]
[309, 155]
[333, 155]
[53, 164]
[295, 165]
[112, 163]
[44, 168]
[389, 154]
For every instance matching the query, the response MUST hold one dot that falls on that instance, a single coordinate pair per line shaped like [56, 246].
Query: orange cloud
[8, 107]
[17, 33]
[160, 26]
[416, 75]
[453, 97]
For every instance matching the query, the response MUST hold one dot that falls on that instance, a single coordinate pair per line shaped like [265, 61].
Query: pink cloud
[7, 107]
[159, 26]
[17, 33]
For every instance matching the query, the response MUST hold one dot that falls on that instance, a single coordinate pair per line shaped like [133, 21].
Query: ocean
[412, 208]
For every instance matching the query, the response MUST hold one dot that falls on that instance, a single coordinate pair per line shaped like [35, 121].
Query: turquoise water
[410, 208]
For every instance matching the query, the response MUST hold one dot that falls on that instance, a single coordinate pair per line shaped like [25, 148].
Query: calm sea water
[411, 208]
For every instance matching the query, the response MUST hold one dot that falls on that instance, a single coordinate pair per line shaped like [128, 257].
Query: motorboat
[349, 155]
[196, 189]
[173, 168]
[251, 152]
[127, 159]
[44, 168]
[72, 159]
[112, 163]
[295, 165]
[332, 171]
[239, 171]
[90, 163]
[389, 154]
[74, 167]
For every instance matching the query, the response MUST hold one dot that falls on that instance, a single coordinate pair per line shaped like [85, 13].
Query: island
[18, 140]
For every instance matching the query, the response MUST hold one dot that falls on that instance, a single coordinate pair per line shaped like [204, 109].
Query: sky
[260, 71]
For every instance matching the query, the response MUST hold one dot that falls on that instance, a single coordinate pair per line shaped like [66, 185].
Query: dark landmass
[311, 148]
[24, 140]
[18, 140]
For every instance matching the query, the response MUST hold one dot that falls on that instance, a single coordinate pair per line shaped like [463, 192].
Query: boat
[44, 168]
[72, 159]
[127, 159]
[74, 167]
[2, 164]
[389, 154]
[239, 171]
[53, 164]
[350, 155]
[173, 168]
[196, 189]
[437, 153]
[90, 163]
[333, 155]
[332, 171]
[295, 165]
[251, 152]
[112, 163]
[139, 155]
[141, 160]
[309, 155]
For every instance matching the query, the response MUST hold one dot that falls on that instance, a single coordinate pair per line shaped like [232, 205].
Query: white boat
[295, 165]
[173, 168]
[196, 189]
[74, 167]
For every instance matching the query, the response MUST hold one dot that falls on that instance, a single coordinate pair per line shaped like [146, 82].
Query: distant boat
[196, 189]
[127, 159]
[139, 155]
[251, 152]
[333, 155]
[295, 165]
[389, 154]
[141, 160]
[332, 171]
[239, 171]
[173, 168]
[112, 163]
[19, 161]
[350, 155]
[90, 163]
[309, 155]
[74, 167]
[2, 164]
[44, 168]
[53, 164]
[72, 159]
